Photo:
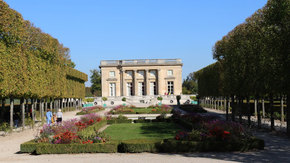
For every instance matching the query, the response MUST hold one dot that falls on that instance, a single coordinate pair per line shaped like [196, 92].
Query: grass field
[128, 131]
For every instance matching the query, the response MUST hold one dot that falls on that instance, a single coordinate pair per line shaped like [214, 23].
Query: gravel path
[277, 150]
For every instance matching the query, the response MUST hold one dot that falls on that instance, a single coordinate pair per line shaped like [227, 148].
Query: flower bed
[212, 129]
[154, 109]
[72, 132]
[89, 110]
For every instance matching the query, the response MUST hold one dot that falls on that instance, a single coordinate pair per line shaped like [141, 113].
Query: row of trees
[33, 64]
[253, 59]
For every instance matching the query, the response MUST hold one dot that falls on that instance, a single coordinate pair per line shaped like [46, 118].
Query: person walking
[59, 116]
[48, 116]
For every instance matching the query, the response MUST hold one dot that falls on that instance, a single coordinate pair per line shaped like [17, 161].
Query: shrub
[193, 98]
[5, 127]
[159, 98]
[44, 148]
[104, 98]
[136, 146]
[28, 147]
[124, 99]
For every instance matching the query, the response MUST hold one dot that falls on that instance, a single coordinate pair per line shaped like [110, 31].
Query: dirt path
[277, 150]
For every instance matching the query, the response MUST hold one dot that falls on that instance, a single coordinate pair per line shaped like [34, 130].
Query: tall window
[130, 73]
[129, 89]
[152, 73]
[112, 74]
[112, 89]
[170, 72]
[141, 73]
[141, 89]
[153, 90]
[170, 87]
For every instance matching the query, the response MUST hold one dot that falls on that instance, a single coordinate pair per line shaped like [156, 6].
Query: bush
[159, 98]
[193, 98]
[104, 98]
[136, 146]
[5, 127]
[124, 99]
[91, 130]
[44, 148]
[28, 147]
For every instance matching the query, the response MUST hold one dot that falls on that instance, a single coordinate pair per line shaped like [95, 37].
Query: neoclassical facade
[141, 77]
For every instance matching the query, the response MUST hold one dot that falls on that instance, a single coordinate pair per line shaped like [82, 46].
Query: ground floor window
[170, 87]
[129, 89]
[112, 89]
[141, 89]
[153, 90]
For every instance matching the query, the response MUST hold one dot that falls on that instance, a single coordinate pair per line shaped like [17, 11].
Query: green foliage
[124, 99]
[91, 130]
[193, 98]
[28, 147]
[104, 98]
[5, 127]
[159, 98]
[137, 146]
[43, 148]
[96, 88]
[189, 85]
[89, 100]
[32, 63]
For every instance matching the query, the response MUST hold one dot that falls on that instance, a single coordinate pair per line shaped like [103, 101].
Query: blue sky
[96, 30]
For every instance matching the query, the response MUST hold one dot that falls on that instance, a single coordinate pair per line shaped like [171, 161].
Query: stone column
[135, 83]
[147, 82]
[121, 82]
[158, 82]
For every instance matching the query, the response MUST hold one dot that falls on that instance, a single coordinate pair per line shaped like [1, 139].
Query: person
[48, 116]
[59, 116]
[16, 119]
[53, 118]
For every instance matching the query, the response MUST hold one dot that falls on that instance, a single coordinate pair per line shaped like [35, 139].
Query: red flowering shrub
[65, 138]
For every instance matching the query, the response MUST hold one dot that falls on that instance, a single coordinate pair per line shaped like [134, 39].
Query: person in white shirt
[59, 116]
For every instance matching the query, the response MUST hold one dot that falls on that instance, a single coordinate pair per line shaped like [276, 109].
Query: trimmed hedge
[28, 147]
[113, 121]
[191, 108]
[137, 146]
[44, 148]
[145, 145]
[177, 146]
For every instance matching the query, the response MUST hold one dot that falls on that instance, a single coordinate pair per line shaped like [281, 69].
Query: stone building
[141, 77]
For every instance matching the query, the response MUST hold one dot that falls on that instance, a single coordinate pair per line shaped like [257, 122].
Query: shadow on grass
[160, 129]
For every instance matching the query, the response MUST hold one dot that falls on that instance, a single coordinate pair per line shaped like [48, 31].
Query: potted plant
[105, 99]
[124, 100]
[160, 100]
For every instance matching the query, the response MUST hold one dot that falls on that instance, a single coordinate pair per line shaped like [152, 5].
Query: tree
[96, 88]
[189, 85]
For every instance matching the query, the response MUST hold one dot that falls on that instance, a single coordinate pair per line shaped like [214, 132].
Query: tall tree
[189, 85]
[96, 87]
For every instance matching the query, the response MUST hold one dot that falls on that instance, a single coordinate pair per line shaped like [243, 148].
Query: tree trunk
[11, 112]
[233, 108]
[45, 103]
[32, 110]
[282, 109]
[227, 108]
[256, 108]
[240, 109]
[249, 111]
[263, 107]
[22, 112]
[272, 113]
[288, 114]
[258, 113]
[2, 108]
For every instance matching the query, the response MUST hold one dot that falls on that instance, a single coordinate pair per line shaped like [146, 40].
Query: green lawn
[127, 131]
